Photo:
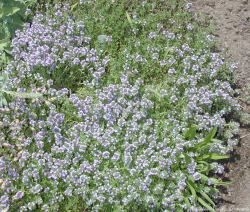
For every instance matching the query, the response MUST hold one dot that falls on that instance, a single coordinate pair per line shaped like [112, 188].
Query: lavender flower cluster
[192, 78]
[58, 43]
[124, 146]
[117, 155]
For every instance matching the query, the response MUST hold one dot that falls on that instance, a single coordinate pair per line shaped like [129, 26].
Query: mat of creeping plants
[113, 106]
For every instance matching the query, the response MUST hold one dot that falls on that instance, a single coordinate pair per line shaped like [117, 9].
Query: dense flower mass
[59, 43]
[123, 145]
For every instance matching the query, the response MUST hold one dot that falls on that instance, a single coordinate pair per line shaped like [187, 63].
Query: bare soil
[231, 19]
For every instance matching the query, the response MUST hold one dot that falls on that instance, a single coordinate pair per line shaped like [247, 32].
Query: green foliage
[11, 18]
[3, 81]
[118, 19]
[191, 132]
[4, 91]
[203, 160]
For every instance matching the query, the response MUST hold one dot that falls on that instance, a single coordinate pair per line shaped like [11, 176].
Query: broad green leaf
[21, 1]
[191, 132]
[4, 101]
[203, 157]
[213, 156]
[204, 177]
[3, 82]
[7, 11]
[187, 201]
[208, 138]
[205, 147]
[7, 51]
[191, 188]
[208, 198]
[215, 140]
[211, 134]
[203, 166]
[222, 183]
[4, 43]
[24, 95]
[206, 205]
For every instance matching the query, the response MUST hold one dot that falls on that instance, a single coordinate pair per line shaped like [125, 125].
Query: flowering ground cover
[114, 106]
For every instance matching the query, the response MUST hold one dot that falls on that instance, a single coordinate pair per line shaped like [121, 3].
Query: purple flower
[18, 195]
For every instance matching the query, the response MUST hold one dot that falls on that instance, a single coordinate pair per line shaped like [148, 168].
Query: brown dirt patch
[232, 22]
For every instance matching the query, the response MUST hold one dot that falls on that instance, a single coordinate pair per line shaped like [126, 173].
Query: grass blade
[206, 205]
[129, 19]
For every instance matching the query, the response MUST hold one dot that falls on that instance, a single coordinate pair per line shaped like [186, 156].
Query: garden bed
[115, 106]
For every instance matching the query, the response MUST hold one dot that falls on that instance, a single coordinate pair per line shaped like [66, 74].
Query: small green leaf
[185, 157]
[129, 19]
[74, 6]
[206, 205]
